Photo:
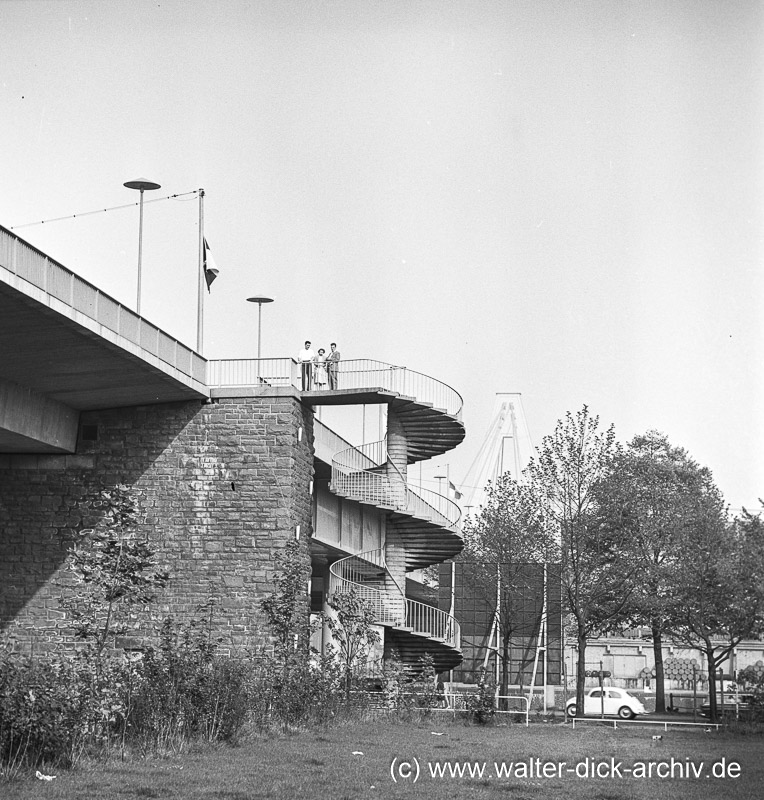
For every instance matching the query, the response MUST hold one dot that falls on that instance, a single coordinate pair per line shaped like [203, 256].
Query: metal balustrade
[365, 373]
[351, 374]
[366, 473]
[253, 372]
[367, 575]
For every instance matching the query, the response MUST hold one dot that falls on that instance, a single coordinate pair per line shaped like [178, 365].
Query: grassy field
[361, 760]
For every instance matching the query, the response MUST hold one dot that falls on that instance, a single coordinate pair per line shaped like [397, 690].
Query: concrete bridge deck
[67, 347]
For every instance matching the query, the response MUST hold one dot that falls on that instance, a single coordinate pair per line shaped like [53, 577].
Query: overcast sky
[562, 199]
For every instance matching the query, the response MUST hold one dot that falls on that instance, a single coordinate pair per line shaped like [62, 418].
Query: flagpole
[200, 293]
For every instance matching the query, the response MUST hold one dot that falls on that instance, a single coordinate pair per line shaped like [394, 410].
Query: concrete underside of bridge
[52, 367]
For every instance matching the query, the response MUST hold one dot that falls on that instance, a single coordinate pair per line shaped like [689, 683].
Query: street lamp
[142, 185]
[439, 479]
[259, 299]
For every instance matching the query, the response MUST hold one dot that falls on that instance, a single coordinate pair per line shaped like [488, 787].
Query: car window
[596, 693]
[614, 693]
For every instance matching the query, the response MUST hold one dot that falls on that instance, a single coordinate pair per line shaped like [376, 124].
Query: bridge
[70, 348]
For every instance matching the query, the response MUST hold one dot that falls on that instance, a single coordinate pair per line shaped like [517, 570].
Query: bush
[51, 710]
[481, 704]
[183, 690]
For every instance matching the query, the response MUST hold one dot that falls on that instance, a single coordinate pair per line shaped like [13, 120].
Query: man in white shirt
[305, 357]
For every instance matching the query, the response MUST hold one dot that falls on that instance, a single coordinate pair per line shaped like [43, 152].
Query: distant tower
[507, 447]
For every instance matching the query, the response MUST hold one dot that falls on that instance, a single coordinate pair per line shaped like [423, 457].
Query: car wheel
[624, 712]
[571, 710]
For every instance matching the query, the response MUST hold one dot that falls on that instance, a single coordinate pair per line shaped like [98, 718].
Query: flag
[454, 492]
[209, 267]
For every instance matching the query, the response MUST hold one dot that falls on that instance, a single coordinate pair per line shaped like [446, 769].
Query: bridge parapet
[36, 275]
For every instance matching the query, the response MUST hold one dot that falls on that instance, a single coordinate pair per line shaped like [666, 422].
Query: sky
[559, 199]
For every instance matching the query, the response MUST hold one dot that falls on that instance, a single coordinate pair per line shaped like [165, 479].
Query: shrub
[51, 710]
[183, 690]
[481, 704]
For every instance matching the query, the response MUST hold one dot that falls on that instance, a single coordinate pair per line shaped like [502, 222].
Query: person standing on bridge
[332, 364]
[305, 357]
[319, 370]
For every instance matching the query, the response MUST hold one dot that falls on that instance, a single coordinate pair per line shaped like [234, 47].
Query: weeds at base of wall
[55, 714]
[57, 710]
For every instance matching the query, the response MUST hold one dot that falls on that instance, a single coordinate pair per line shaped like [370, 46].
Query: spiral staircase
[422, 527]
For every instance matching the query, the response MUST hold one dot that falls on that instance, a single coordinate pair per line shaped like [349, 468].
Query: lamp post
[142, 185]
[439, 478]
[259, 299]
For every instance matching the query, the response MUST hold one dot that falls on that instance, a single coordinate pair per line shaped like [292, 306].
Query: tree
[287, 608]
[569, 475]
[115, 570]
[720, 595]
[509, 535]
[352, 630]
[660, 485]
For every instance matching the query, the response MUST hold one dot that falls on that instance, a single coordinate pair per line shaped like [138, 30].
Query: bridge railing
[362, 373]
[253, 372]
[32, 267]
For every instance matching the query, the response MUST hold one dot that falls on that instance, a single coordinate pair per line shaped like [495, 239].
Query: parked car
[738, 706]
[616, 702]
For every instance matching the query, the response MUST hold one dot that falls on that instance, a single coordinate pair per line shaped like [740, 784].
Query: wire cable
[102, 210]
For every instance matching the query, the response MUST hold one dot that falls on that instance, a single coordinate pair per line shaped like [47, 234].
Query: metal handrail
[361, 573]
[362, 373]
[433, 622]
[253, 372]
[390, 606]
[367, 473]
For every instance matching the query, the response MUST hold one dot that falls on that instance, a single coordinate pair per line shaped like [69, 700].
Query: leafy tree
[751, 681]
[352, 630]
[114, 568]
[500, 544]
[568, 475]
[287, 607]
[661, 486]
[720, 595]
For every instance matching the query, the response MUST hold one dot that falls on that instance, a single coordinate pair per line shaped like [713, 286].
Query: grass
[321, 765]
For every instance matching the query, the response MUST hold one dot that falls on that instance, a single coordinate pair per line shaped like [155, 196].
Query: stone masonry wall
[223, 487]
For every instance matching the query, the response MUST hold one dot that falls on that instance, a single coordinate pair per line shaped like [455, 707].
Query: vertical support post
[546, 638]
[497, 628]
[453, 587]
[140, 252]
[202, 280]
[694, 692]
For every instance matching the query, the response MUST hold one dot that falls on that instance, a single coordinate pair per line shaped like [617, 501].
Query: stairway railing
[367, 575]
[367, 474]
[363, 373]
